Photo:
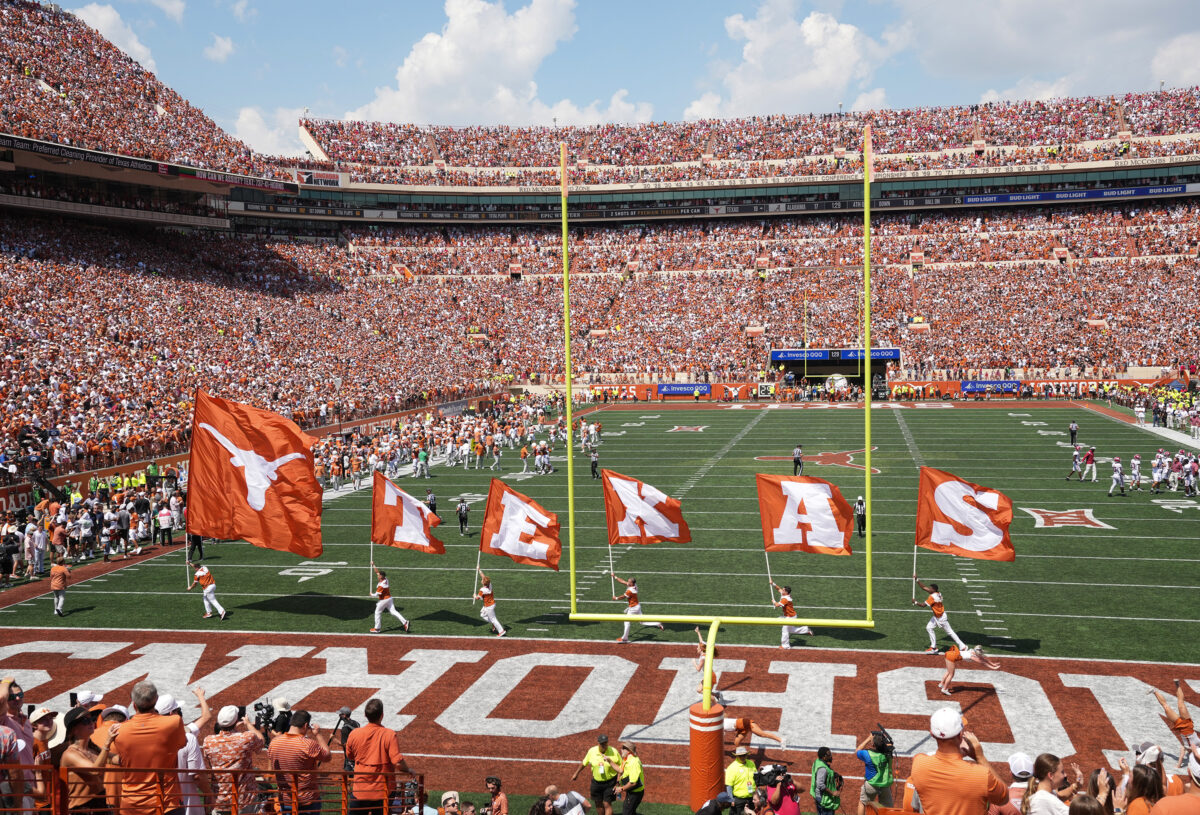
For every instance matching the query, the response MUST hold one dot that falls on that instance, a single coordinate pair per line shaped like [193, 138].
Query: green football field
[1128, 591]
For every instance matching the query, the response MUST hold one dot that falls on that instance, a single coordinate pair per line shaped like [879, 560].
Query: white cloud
[1038, 49]
[242, 11]
[340, 56]
[481, 68]
[1032, 89]
[874, 99]
[274, 134]
[172, 8]
[1175, 62]
[105, 19]
[220, 49]
[795, 65]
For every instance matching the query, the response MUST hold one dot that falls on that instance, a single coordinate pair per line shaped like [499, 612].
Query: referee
[798, 460]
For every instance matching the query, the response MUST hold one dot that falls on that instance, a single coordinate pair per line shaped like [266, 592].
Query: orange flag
[640, 513]
[961, 518]
[399, 520]
[516, 526]
[803, 514]
[251, 476]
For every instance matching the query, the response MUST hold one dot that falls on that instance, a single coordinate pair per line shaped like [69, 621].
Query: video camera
[882, 741]
[770, 775]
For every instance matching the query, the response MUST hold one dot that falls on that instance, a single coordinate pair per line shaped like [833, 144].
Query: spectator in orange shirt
[1189, 802]
[944, 781]
[375, 751]
[59, 576]
[150, 741]
[293, 755]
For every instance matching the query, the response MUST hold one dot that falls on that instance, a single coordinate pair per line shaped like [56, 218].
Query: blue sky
[254, 65]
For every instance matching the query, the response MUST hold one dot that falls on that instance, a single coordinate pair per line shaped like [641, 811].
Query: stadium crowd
[61, 81]
[269, 323]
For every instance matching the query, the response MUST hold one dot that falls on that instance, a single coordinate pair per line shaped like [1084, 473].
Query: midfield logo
[679, 428]
[845, 458]
[1049, 518]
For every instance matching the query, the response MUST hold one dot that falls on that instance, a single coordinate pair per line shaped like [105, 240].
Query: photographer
[875, 752]
[375, 751]
[233, 746]
[782, 797]
[293, 755]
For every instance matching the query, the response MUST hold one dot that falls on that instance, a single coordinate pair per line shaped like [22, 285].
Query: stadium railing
[258, 790]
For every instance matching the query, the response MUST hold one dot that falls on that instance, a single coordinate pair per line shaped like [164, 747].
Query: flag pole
[566, 290]
[475, 580]
[914, 587]
[867, 161]
[770, 580]
[370, 575]
[612, 578]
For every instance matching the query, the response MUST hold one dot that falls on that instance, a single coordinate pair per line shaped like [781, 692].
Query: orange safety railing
[47, 790]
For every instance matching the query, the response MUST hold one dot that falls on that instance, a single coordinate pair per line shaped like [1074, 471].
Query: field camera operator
[375, 753]
[782, 796]
[875, 752]
[233, 746]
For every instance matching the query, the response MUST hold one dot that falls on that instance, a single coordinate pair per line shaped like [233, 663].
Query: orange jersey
[204, 577]
[58, 577]
[785, 603]
[487, 595]
[383, 589]
[935, 604]
[631, 596]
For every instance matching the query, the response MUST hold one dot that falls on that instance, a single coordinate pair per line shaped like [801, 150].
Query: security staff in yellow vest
[605, 763]
[739, 779]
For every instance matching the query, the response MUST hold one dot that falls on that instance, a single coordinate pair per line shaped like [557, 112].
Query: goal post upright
[868, 159]
[566, 290]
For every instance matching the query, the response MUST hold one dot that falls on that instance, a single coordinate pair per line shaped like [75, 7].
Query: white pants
[786, 632]
[210, 600]
[488, 613]
[1118, 483]
[944, 624]
[59, 596]
[390, 607]
[636, 611]
[1089, 468]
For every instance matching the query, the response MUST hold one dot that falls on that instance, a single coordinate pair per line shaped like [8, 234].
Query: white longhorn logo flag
[640, 513]
[259, 472]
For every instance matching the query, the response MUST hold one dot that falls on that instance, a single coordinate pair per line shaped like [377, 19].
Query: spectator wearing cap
[44, 722]
[945, 782]
[1020, 765]
[84, 763]
[195, 787]
[151, 742]
[1150, 754]
[604, 762]
[450, 804]
[632, 781]
[739, 778]
[375, 751]
[113, 714]
[293, 756]
[233, 746]
[13, 717]
[715, 806]
[499, 802]
[1187, 803]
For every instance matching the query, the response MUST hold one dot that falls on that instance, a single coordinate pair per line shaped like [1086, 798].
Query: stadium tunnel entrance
[838, 367]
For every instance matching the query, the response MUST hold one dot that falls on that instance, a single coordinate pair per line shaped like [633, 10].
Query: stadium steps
[432, 144]
[1123, 131]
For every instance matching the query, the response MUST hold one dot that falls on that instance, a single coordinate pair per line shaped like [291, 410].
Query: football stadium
[798, 463]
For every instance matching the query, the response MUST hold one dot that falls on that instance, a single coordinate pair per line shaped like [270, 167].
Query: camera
[770, 775]
[882, 741]
[264, 714]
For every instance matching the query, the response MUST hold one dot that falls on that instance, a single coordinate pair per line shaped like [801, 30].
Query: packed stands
[62, 82]
[270, 323]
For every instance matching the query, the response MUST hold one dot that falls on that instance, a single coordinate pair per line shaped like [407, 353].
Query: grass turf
[1072, 592]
